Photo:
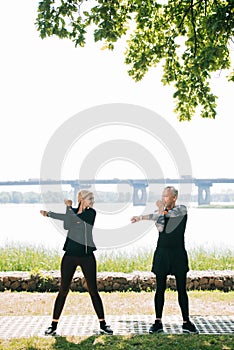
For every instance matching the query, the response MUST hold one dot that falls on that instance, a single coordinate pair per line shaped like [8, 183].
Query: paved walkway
[20, 326]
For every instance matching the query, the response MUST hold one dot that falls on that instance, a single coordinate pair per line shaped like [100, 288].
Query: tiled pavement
[27, 326]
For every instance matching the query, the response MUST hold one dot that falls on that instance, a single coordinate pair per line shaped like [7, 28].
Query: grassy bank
[216, 206]
[19, 257]
[137, 342]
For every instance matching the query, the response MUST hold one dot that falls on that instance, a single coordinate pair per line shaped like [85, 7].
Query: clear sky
[46, 82]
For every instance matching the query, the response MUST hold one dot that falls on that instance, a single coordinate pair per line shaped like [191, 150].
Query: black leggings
[89, 269]
[182, 295]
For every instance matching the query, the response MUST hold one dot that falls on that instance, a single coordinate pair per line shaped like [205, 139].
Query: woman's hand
[43, 212]
[68, 202]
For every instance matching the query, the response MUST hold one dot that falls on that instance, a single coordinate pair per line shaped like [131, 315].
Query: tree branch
[194, 29]
[188, 9]
[79, 6]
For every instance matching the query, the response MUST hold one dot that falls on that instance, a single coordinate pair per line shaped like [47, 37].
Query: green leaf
[191, 39]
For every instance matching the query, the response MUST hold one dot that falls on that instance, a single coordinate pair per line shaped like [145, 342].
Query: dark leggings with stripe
[89, 268]
[182, 295]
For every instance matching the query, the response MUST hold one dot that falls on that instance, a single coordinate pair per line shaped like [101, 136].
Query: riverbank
[215, 206]
[25, 257]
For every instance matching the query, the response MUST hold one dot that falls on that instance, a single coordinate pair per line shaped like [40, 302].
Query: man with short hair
[170, 256]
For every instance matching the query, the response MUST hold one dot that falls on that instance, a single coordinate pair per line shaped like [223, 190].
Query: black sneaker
[50, 331]
[157, 327]
[105, 329]
[189, 327]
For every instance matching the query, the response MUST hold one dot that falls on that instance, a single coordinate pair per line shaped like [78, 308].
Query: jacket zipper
[86, 245]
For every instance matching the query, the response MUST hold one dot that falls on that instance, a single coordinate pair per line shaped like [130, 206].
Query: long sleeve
[67, 218]
[56, 216]
[159, 220]
[177, 211]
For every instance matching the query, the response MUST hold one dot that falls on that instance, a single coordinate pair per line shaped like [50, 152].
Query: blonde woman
[79, 247]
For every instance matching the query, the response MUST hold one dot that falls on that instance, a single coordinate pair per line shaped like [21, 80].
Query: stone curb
[48, 281]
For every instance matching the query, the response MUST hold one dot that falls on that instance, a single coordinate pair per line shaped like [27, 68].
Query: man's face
[168, 199]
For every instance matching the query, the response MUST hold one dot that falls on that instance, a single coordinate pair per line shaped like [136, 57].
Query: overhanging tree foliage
[192, 38]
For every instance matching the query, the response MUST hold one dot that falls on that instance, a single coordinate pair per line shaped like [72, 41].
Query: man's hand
[135, 219]
[43, 212]
[160, 206]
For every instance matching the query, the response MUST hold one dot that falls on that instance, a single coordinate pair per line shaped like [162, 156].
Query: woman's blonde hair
[83, 194]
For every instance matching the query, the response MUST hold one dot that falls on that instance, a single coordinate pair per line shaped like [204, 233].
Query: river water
[209, 228]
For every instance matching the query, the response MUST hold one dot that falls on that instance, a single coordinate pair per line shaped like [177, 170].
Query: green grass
[216, 206]
[213, 259]
[137, 342]
[20, 257]
[141, 260]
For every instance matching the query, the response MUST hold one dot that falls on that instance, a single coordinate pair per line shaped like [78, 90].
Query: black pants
[89, 269]
[182, 295]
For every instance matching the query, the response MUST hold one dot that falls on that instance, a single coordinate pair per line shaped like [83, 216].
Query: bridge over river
[139, 185]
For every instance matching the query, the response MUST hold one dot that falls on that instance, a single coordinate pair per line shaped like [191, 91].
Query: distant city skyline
[108, 187]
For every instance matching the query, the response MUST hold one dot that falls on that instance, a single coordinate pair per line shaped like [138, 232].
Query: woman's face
[88, 201]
